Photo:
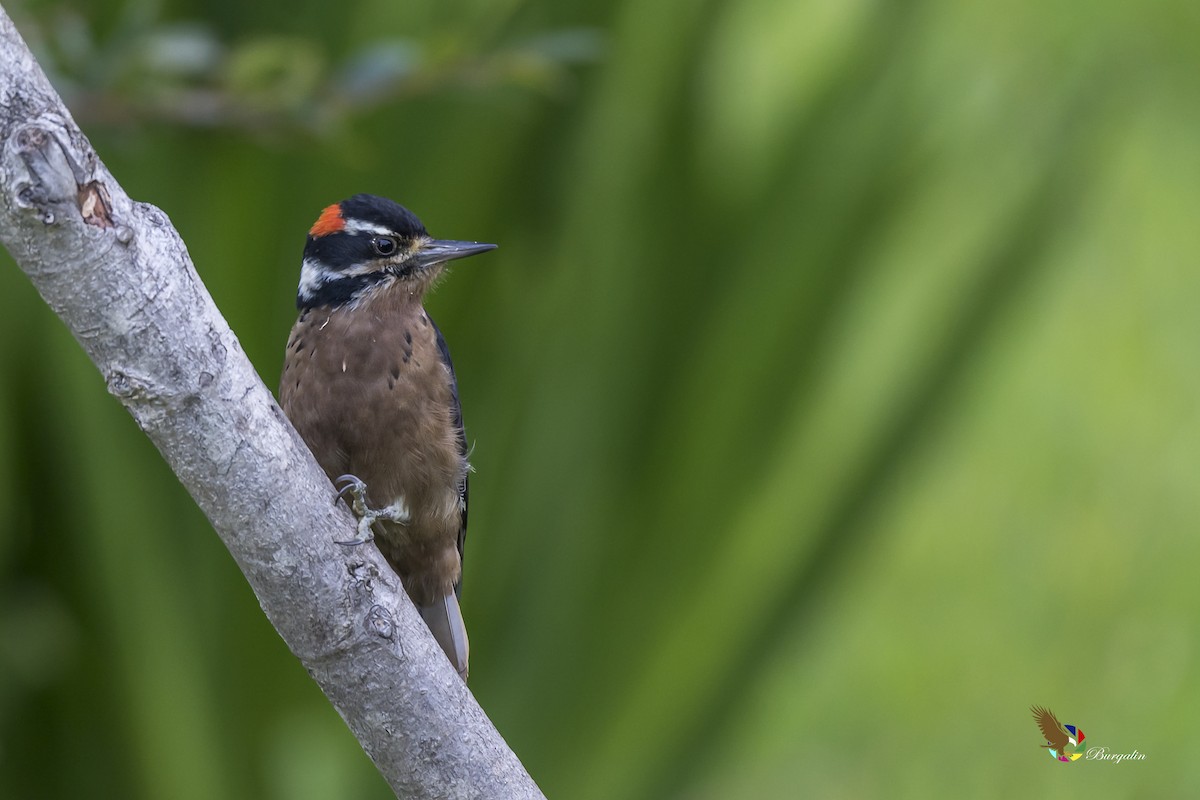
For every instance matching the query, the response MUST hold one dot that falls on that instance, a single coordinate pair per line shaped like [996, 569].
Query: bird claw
[367, 516]
[357, 491]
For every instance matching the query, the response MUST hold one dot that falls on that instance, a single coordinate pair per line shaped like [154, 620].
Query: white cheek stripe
[312, 275]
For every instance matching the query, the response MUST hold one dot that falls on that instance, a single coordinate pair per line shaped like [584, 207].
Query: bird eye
[384, 245]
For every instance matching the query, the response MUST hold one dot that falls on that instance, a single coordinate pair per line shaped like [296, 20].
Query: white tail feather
[445, 622]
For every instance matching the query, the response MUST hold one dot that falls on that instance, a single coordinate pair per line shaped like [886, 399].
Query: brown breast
[366, 389]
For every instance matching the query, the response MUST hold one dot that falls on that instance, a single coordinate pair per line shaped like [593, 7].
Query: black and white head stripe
[366, 213]
[346, 244]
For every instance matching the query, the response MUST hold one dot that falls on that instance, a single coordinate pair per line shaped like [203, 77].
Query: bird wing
[457, 421]
[1052, 729]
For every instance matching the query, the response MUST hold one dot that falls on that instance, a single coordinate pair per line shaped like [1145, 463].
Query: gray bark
[119, 276]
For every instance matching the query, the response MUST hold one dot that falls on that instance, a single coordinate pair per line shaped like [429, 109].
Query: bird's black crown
[383, 212]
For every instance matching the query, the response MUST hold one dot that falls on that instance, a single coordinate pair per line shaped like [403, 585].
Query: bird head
[366, 243]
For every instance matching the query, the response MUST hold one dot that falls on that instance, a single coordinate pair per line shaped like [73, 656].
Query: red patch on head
[329, 222]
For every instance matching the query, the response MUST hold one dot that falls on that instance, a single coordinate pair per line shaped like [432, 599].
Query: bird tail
[445, 622]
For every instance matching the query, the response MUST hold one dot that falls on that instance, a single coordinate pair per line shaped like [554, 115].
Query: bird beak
[439, 251]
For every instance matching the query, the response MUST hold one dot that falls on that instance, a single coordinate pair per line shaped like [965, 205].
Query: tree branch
[119, 276]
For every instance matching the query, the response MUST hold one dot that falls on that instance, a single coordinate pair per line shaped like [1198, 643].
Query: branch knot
[379, 622]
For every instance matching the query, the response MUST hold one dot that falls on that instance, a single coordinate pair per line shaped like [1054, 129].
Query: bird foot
[357, 490]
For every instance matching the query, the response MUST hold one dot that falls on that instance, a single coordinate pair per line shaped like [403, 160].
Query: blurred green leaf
[278, 72]
[377, 68]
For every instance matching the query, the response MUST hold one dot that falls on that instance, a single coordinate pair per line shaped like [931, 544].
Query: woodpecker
[367, 382]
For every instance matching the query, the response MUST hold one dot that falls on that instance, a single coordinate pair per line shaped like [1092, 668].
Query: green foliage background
[834, 392]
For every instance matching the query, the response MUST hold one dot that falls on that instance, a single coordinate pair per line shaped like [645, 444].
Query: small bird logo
[1061, 740]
